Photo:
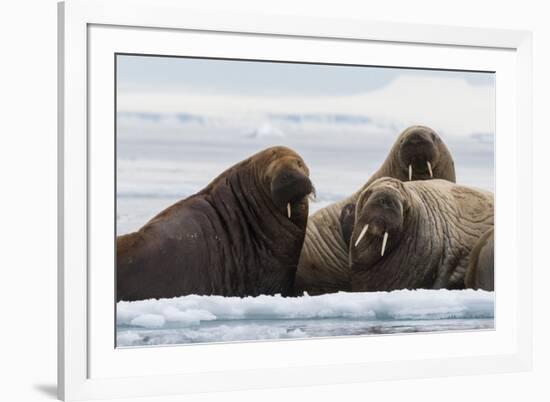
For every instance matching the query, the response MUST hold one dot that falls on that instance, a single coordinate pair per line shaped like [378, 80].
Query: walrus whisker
[362, 234]
[288, 210]
[430, 169]
[410, 172]
[384, 243]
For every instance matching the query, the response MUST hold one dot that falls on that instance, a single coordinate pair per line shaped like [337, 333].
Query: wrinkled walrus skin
[239, 236]
[481, 269]
[323, 265]
[418, 234]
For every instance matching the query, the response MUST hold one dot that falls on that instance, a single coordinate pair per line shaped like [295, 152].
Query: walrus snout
[290, 186]
[379, 225]
[383, 222]
[381, 216]
[286, 177]
[418, 153]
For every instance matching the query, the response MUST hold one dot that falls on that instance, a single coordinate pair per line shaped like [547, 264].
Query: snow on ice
[193, 318]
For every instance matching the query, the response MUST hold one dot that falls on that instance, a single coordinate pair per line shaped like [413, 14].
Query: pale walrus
[481, 269]
[417, 234]
[239, 236]
[417, 154]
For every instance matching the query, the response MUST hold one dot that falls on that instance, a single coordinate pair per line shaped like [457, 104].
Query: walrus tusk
[410, 172]
[384, 243]
[288, 210]
[430, 169]
[362, 234]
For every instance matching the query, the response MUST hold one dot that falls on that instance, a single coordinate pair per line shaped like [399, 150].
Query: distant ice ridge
[255, 125]
[398, 102]
[193, 310]
[266, 130]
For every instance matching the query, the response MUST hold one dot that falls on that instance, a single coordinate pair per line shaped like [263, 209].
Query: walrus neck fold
[254, 218]
[367, 251]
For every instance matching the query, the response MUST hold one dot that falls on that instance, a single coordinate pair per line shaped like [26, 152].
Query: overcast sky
[142, 73]
[454, 103]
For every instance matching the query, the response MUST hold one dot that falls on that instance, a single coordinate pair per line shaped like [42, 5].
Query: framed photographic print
[258, 201]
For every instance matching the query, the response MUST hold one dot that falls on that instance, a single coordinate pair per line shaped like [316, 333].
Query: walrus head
[287, 178]
[419, 153]
[380, 214]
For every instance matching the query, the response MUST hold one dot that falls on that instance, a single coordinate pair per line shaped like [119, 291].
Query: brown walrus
[239, 236]
[417, 154]
[418, 234]
[481, 269]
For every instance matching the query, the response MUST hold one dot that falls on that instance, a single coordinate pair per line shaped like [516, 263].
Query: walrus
[417, 234]
[417, 154]
[239, 236]
[481, 268]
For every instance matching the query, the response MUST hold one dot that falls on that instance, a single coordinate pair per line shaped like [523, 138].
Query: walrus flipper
[347, 221]
[481, 267]
[126, 246]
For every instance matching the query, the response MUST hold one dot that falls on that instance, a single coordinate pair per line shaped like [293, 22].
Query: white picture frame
[91, 32]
